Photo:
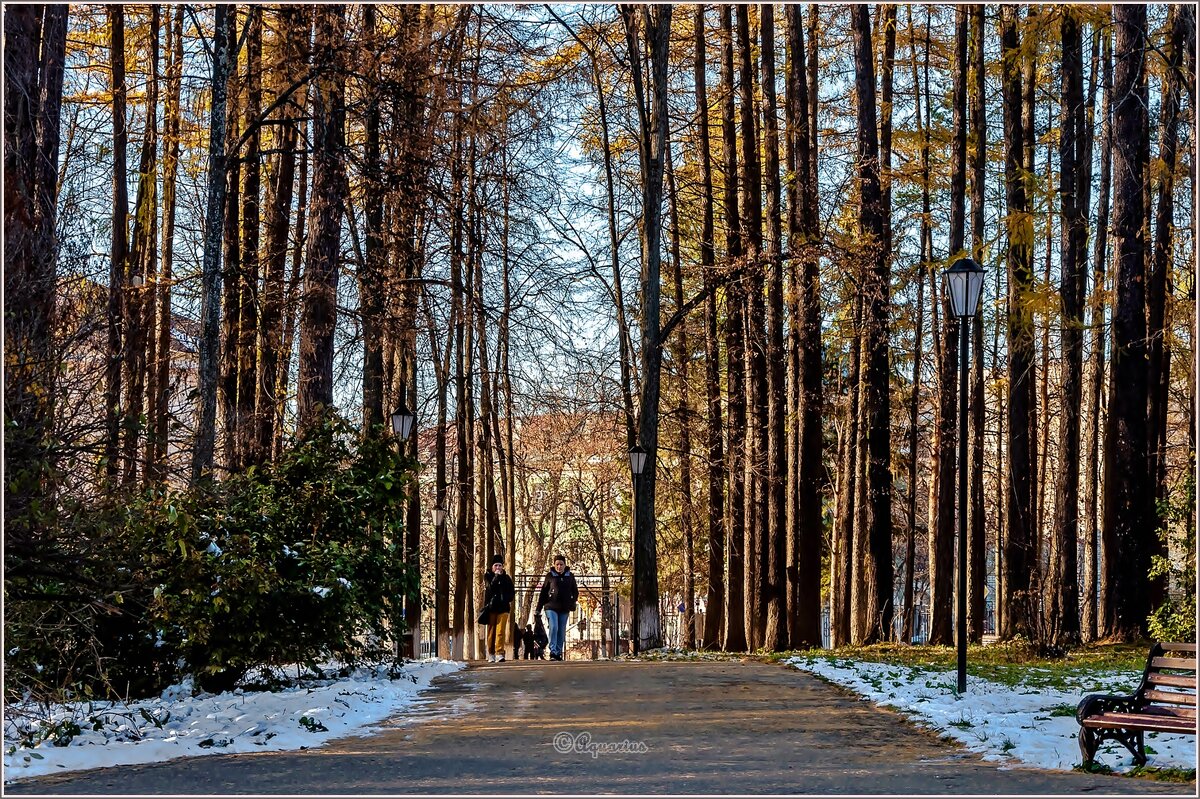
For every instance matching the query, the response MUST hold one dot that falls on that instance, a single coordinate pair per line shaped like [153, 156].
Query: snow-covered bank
[178, 724]
[1033, 724]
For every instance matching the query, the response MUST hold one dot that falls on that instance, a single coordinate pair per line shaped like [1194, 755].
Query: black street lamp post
[637, 462]
[403, 422]
[963, 284]
[440, 580]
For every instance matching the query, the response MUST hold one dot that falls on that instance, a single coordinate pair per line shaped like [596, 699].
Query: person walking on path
[558, 597]
[497, 598]
[528, 642]
[540, 639]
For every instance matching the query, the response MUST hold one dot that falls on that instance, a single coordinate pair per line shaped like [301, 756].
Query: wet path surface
[599, 727]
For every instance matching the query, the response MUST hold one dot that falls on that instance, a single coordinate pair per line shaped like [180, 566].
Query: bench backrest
[1169, 681]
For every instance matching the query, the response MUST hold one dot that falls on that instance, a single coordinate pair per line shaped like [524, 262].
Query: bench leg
[1087, 746]
[1139, 757]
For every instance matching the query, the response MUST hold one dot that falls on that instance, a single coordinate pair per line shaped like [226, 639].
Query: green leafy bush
[297, 561]
[1175, 619]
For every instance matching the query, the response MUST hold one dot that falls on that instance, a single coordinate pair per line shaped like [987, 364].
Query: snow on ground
[178, 724]
[1030, 724]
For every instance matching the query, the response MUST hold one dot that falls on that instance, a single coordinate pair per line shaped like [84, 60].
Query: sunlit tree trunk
[754, 341]
[775, 635]
[1019, 546]
[654, 121]
[805, 444]
[143, 258]
[715, 595]
[1091, 617]
[1160, 285]
[159, 414]
[875, 581]
[34, 60]
[223, 59]
[249, 299]
[291, 48]
[119, 252]
[682, 355]
[977, 546]
[734, 633]
[319, 315]
[1062, 613]
[1128, 488]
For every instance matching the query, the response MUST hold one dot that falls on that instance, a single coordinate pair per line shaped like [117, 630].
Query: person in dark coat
[497, 598]
[539, 639]
[559, 596]
[529, 642]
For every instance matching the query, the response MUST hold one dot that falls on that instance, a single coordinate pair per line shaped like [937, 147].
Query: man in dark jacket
[558, 597]
[497, 599]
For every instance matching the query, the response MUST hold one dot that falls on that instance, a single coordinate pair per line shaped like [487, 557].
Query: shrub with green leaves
[1175, 619]
[296, 561]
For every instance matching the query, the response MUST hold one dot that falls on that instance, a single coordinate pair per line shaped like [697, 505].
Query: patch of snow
[1003, 723]
[178, 724]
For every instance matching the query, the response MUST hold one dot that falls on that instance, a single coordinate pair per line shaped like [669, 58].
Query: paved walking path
[706, 727]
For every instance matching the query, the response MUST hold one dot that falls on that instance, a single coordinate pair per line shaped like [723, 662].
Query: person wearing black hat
[497, 599]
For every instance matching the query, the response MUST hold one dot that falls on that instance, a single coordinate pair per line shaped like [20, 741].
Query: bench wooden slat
[1137, 721]
[1185, 664]
[1174, 680]
[1178, 647]
[1172, 697]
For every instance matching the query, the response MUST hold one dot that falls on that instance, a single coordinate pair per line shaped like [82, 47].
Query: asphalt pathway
[624, 727]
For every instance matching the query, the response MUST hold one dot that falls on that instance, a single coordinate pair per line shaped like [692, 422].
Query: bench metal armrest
[1095, 704]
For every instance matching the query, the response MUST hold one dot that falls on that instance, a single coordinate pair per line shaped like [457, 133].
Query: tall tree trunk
[846, 520]
[755, 340]
[1128, 489]
[654, 123]
[1160, 282]
[224, 57]
[715, 595]
[150, 258]
[734, 633]
[232, 275]
[463, 410]
[957, 248]
[1063, 611]
[319, 316]
[247, 347]
[34, 60]
[776, 630]
[141, 263]
[1019, 546]
[942, 532]
[371, 281]
[159, 416]
[908, 629]
[682, 355]
[805, 469]
[1092, 620]
[1029, 53]
[977, 545]
[876, 577]
[119, 254]
[291, 299]
[294, 24]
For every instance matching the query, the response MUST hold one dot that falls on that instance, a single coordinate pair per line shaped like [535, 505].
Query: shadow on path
[682, 727]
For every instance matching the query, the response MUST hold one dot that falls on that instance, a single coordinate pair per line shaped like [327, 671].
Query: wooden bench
[1164, 702]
